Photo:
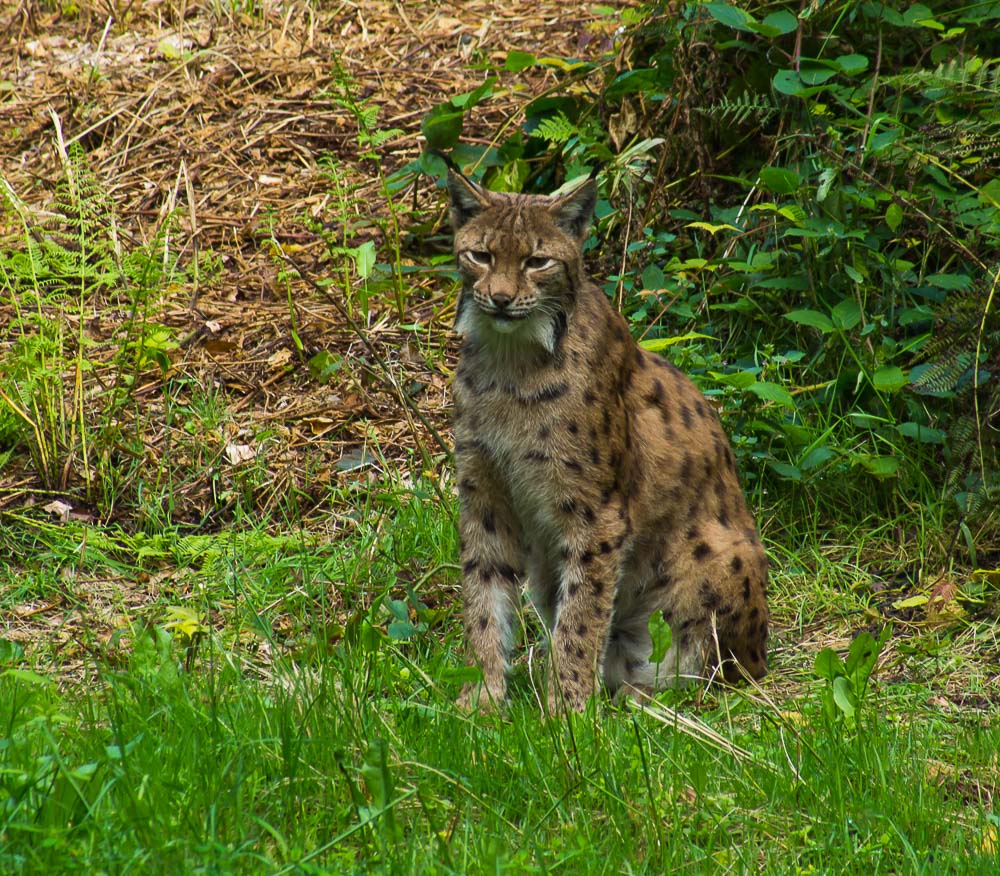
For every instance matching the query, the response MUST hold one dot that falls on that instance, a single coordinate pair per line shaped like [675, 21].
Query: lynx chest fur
[588, 469]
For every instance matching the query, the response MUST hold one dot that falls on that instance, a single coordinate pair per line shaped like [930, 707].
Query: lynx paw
[477, 697]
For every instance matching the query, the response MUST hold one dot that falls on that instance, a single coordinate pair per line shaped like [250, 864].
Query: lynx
[589, 469]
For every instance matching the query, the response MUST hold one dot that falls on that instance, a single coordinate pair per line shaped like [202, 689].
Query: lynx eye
[536, 263]
[479, 257]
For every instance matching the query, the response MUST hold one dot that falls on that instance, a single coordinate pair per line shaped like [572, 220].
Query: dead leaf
[239, 453]
[279, 359]
[58, 509]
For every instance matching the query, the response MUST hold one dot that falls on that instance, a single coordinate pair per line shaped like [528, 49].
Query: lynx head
[520, 257]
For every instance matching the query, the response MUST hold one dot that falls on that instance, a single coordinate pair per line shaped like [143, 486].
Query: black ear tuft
[573, 212]
[467, 199]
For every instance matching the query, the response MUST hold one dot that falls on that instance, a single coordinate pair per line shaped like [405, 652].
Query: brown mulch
[239, 127]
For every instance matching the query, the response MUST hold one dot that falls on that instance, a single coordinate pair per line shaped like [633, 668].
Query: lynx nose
[500, 300]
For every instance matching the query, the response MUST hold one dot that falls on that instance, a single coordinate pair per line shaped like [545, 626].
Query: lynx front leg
[591, 571]
[492, 562]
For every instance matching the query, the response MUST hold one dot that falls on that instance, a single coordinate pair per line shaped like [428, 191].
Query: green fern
[955, 75]
[739, 110]
[557, 129]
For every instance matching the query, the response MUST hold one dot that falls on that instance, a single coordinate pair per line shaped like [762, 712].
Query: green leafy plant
[808, 200]
[847, 680]
[53, 366]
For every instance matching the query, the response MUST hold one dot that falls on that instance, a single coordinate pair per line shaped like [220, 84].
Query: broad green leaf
[816, 457]
[881, 140]
[880, 466]
[364, 259]
[918, 15]
[652, 278]
[910, 315]
[401, 631]
[442, 126]
[852, 64]
[816, 72]
[27, 676]
[658, 344]
[772, 392]
[990, 193]
[790, 82]
[381, 786]
[10, 652]
[660, 635]
[889, 378]
[893, 216]
[780, 180]
[846, 315]
[731, 16]
[518, 61]
[828, 665]
[471, 98]
[862, 657]
[184, 620]
[788, 472]
[510, 177]
[710, 228]
[911, 601]
[924, 434]
[781, 22]
[844, 696]
[461, 674]
[811, 318]
[324, 364]
[739, 379]
[950, 281]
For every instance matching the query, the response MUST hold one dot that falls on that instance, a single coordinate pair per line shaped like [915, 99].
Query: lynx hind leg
[723, 589]
[713, 599]
[627, 663]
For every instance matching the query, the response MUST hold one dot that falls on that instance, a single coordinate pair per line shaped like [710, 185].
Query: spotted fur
[590, 470]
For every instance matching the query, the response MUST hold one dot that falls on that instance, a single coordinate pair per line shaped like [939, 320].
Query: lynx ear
[573, 212]
[467, 199]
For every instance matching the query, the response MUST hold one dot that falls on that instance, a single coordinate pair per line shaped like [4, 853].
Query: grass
[270, 688]
[286, 706]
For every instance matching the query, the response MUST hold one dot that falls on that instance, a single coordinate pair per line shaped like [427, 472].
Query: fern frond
[557, 129]
[739, 110]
